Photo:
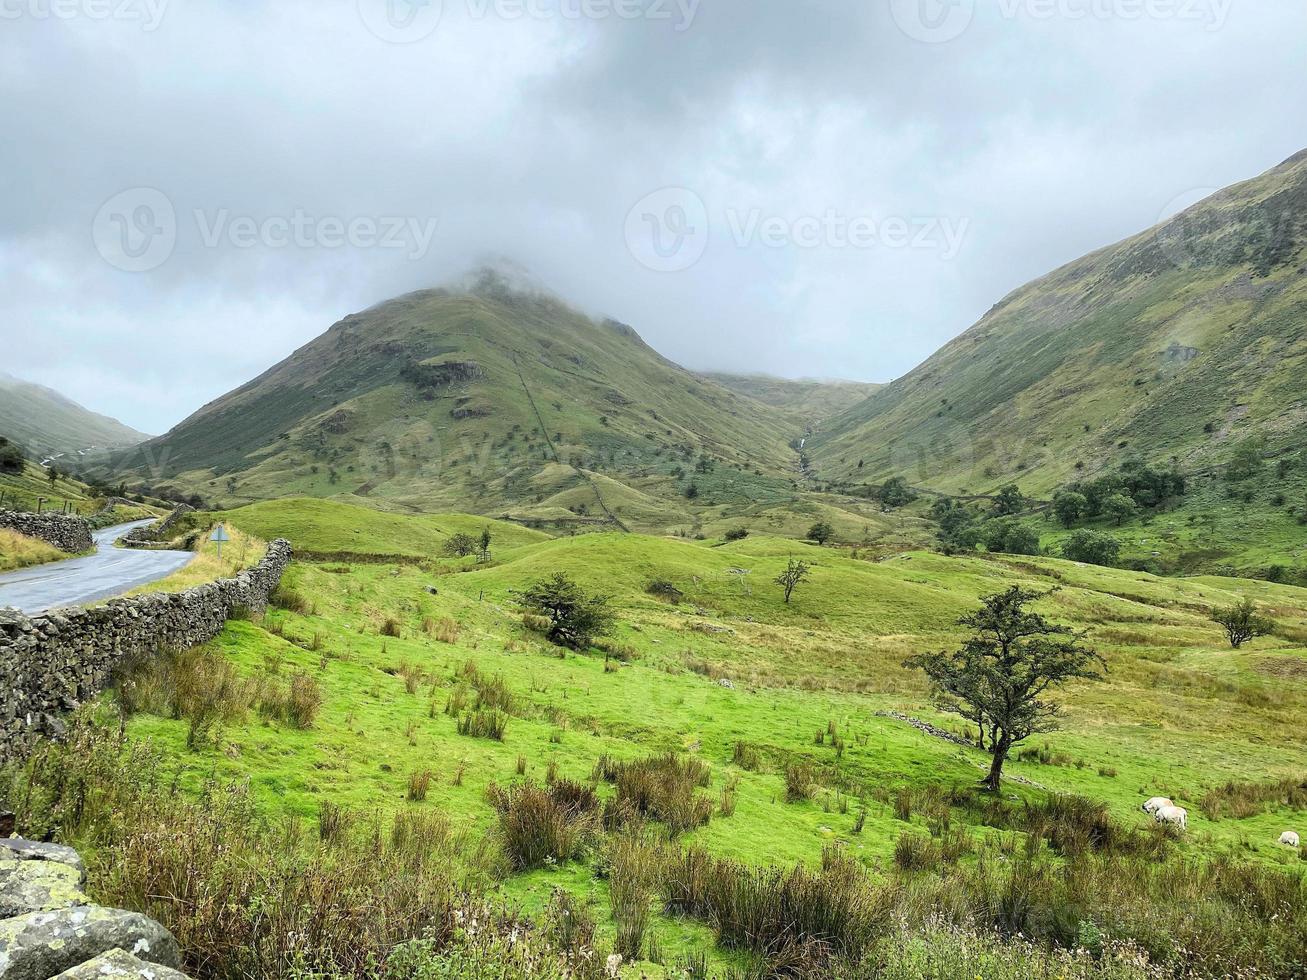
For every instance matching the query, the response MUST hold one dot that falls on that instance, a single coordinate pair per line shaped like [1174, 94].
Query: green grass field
[390, 645]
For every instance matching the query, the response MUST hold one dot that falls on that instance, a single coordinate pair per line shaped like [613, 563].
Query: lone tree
[575, 617]
[1241, 622]
[484, 544]
[460, 545]
[1000, 676]
[795, 572]
[53, 474]
[821, 532]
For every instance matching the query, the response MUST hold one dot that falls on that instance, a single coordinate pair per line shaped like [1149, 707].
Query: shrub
[198, 685]
[333, 822]
[390, 627]
[737, 534]
[493, 694]
[1241, 800]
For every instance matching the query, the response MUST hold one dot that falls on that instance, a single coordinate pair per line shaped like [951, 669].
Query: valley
[587, 665]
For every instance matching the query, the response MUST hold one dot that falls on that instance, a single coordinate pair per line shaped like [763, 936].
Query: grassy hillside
[48, 424]
[1178, 343]
[23, 490]
[808, 399]
[758, 691]
[330, 527]
[492, 398]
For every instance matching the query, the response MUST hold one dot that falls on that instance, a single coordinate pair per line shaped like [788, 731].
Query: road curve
[108, 572]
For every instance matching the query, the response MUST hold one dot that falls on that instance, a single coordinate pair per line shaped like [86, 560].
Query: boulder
[41, 945]
[117, 963]
[38, 886]
[30, 850]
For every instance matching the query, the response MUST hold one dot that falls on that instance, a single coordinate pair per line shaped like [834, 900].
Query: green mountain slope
[1179, 342]
[46, 423]
[493, 399]
[808, 399]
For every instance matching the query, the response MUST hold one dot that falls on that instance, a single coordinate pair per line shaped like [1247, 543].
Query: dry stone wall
[149, 533]
[71, 534]
[50, 664]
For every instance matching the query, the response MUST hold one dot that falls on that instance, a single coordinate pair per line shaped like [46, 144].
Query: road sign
[219, 535]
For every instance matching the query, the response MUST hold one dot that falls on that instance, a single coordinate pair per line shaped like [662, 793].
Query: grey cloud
[533, 136]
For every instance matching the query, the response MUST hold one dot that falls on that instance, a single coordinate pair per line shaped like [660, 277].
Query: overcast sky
[801, 187]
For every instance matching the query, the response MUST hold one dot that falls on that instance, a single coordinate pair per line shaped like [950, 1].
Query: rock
[41, 945]
[38, 886]
[727, 683]
[16, 848]
[119, 963]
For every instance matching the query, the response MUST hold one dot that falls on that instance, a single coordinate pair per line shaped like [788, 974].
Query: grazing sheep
[1290, 838]
[1156, 803]
[1177, 816]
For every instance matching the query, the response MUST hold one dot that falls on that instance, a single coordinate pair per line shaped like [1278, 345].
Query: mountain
[494, 397]
[809, 400]
[1180, 342]
[47, 424]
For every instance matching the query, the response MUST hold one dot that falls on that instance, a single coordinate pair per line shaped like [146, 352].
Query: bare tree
[796, 571]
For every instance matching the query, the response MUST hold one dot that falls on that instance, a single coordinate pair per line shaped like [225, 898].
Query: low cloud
[808, 188]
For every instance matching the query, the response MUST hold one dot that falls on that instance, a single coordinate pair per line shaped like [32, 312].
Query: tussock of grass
[1241, 800]
[662, 788]
[484, 724]
[543, 823]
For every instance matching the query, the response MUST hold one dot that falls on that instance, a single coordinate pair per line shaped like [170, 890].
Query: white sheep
[1290, 838]
[1177, 816]
[1156, 803]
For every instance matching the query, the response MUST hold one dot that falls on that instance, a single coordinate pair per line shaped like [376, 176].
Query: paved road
[76, 581]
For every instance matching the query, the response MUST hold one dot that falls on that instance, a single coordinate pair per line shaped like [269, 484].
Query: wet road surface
[108, 572]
